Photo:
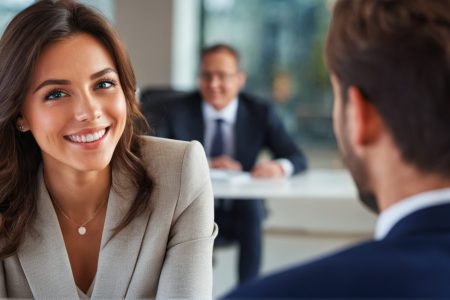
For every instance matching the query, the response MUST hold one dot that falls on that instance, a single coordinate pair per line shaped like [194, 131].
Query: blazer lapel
[43, 254]
[119, 253]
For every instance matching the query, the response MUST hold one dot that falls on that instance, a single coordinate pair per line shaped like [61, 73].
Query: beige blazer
[164, 254]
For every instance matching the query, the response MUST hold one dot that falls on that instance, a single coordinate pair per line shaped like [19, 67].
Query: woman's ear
[22, 124]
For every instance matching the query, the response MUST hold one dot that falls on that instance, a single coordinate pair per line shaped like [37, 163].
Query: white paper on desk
[229, 176]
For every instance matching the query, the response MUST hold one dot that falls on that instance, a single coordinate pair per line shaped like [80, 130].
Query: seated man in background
[234, 127]
[390, 66]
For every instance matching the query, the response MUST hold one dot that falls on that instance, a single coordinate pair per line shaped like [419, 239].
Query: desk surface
[313, 184]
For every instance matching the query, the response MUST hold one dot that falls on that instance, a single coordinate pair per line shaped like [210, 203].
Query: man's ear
[366, 121]
[242, 77]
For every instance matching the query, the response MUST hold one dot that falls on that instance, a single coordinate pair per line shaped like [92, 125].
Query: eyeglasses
[221, 76]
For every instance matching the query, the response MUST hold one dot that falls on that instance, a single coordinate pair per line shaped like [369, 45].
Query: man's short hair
[221, 47]
[397, 52]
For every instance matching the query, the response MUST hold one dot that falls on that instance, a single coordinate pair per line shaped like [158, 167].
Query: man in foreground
[390, 66]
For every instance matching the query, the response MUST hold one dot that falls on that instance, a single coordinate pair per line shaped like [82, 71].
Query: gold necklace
[81, 227]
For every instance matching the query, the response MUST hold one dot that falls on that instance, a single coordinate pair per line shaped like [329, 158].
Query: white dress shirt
[392, 215]
[228, 115]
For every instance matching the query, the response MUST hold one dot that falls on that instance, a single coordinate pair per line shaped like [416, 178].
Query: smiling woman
[75, 96]
[88, 206]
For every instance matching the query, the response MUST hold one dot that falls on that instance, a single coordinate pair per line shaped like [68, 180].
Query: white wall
[146, 28]
[186, 43]
[162, 40]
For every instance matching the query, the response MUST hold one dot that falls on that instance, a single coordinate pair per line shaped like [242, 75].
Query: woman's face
[75, 107]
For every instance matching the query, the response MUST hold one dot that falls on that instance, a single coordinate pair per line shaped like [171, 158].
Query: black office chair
[154, 102]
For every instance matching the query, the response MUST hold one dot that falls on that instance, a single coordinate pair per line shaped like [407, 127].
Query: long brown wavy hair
[25, 38]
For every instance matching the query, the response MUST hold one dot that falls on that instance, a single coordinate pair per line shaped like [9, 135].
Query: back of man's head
[397, 52]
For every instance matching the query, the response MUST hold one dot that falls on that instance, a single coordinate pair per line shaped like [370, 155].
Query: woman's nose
[87, 109]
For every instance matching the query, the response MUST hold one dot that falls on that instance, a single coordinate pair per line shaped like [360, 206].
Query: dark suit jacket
[257, 127]
[412, 261]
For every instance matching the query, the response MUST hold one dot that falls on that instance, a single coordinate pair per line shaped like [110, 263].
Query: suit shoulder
[253, 99]
[256, 104]
[160, 153]
[370, 269]
[152, 144]
[176, 165]
[317, 278]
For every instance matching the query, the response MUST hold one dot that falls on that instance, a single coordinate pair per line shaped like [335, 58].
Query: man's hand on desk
[268, 169]
[225, 162]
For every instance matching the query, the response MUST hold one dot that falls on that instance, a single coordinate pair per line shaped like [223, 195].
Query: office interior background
[281, 44]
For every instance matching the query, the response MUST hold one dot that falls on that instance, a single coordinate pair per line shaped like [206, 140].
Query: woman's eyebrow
[103, 72]
[52, 81]
[67, 82]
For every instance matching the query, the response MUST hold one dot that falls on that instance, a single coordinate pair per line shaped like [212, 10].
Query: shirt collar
[392, 215]
[228, 114]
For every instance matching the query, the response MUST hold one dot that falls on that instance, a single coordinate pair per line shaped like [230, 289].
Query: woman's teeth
[88, 138]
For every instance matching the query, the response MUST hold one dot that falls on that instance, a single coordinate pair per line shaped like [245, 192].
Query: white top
[228, 115]
[392, 215]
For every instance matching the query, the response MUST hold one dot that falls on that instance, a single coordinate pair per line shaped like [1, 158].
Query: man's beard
[358, 172]
[369, 199]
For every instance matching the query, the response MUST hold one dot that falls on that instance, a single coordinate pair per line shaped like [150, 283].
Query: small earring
[20, 127]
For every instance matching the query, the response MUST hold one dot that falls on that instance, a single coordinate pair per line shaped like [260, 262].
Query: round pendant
[82, 230]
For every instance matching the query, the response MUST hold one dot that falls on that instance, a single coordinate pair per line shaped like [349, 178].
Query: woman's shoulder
[151, 146]
[167, 154]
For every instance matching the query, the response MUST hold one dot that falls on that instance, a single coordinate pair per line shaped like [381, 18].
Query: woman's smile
[88, 136]
[76, 94]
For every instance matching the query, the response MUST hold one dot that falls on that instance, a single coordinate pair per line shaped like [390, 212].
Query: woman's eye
[54, 95]
[105, 84]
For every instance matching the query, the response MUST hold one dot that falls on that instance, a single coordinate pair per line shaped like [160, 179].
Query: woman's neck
[78, 194]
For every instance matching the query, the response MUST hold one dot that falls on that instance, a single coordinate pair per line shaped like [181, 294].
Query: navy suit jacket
[412, 261]
[257, 127]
